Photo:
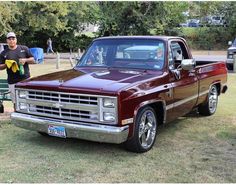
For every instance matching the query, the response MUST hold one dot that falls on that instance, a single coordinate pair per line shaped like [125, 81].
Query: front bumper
[91, 132]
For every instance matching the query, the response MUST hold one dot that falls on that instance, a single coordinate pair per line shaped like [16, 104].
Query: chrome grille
[69, 106]
[68, 98]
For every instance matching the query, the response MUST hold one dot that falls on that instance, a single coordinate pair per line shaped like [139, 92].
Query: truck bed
[204, 62]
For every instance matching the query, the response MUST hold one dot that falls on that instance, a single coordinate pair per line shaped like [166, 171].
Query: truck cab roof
[161, 37]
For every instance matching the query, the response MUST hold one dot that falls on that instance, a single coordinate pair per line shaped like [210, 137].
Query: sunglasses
[11, 38]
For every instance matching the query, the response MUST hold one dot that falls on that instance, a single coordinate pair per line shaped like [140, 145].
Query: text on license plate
[57, 131]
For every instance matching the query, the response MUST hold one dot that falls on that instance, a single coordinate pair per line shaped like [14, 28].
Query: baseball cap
[11, 34]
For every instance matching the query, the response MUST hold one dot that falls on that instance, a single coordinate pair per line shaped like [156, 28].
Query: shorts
[12, 92]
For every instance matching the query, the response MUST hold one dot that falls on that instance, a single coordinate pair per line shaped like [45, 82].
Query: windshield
[128, 53]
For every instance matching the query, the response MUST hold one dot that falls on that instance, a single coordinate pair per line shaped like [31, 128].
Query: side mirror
[230, 43]
[188, 64]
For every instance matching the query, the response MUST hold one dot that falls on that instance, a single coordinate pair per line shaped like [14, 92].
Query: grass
[192, 149]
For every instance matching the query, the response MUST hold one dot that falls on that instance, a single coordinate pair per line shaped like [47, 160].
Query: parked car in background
[184, 24]
[230, 54]
[217, 21]
[194, 23]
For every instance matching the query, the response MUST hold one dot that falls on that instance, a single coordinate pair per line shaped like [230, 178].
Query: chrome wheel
[147, 129]
[210, 105]
[213, 99]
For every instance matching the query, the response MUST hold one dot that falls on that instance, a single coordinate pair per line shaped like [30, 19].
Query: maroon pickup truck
[120, 91]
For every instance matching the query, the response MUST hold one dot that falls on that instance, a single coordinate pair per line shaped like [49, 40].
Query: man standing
[16, 59]
[49, 43]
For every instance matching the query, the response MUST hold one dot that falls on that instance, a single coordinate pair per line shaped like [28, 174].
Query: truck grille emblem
[57, 105]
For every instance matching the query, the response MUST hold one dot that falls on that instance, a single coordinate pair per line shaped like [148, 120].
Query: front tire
[145, 131]
[209, 108]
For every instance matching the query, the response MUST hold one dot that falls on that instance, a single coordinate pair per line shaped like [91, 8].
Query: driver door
[185, 84]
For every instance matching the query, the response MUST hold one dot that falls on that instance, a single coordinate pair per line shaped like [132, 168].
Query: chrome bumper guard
[86, 131]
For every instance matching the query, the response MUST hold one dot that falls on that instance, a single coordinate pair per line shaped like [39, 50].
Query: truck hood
[104, 80]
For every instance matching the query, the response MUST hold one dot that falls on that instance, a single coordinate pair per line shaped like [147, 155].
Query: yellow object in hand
[12, 64]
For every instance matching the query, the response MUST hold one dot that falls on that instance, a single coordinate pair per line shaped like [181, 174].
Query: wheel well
[218, 86]
[159, 110]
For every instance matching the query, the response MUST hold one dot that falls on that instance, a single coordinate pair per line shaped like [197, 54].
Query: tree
[8, 11]
[79, 14]
[36, 21]
[228, 9]
[139, 18]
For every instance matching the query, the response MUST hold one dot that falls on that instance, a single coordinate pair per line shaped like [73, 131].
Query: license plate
[57, 131]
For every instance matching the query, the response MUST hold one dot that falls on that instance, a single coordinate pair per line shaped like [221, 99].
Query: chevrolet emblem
[57, 105]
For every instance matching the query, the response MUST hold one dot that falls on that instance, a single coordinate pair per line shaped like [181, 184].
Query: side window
[176, 51]
[179, 52]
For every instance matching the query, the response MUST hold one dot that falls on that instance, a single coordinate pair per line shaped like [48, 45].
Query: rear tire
[209, 108]
[144, 132]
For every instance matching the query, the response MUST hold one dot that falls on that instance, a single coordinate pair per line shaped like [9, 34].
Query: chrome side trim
[181, 102]
[203, 93]
[91, 132]
[170, 106]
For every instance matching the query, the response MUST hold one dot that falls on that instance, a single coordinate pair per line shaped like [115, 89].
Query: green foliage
[208, 38]
[199, 9]
[72, 37]
[229, 10]
[227, 134]
[211, 37]
[42, 16]
[66, 43]
[139, 18]
[34, 21]
[8, 11]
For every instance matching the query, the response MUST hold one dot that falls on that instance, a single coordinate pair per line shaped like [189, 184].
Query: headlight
[108, 110]
[230, 56]
[109, 102]
[108, 116]
[22, 106]
[22, 94]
